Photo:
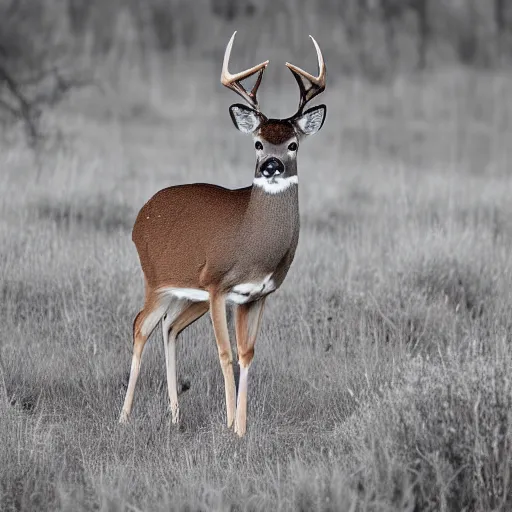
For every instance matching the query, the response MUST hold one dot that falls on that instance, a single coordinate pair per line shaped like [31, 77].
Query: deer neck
[271, 221]
[274, 200]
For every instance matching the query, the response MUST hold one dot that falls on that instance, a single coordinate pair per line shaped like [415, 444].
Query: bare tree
[503, 22]
[31, 78]
[231, 9]
[79, 13]
[354, 14]
[500, 16]
[393, 11]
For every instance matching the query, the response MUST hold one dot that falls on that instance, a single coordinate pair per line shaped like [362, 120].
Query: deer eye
[292, 147]
[258, 145]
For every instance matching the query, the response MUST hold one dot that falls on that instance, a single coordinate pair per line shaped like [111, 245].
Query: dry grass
[381, 376]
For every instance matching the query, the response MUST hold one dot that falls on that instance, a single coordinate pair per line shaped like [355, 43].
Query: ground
[381, 378]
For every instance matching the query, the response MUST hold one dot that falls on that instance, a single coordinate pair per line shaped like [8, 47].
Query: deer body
[202, 246]
[252, 235]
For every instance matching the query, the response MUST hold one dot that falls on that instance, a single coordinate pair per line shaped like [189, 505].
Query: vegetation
[381, 379]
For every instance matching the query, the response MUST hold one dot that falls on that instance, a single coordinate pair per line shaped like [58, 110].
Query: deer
[203, 247]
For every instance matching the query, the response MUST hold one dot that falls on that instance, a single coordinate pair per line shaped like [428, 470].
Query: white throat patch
[275, 185]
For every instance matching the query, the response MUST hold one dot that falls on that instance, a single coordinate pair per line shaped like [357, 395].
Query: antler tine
[316, 83]
[233, 81]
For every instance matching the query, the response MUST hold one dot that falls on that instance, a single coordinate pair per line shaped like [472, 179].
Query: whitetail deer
[201, 245]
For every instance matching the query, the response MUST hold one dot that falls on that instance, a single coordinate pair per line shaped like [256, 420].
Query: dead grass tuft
[460, 285]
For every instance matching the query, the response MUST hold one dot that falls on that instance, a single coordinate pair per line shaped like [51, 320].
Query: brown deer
[202, 246]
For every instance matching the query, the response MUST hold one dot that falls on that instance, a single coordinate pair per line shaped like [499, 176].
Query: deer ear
[312, 120]
[246, 119]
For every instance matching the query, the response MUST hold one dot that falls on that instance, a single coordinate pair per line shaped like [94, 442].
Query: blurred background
[381, 378]
[160, 49]
[372, 38]
[404, 75]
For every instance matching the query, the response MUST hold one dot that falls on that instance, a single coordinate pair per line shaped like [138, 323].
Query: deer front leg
[248, 320]
[220, 327]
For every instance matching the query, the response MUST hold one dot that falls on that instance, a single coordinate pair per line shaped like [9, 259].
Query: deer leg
[171, 327]
[144, 324]
[220, 327]
[247, 321]
[169, 337]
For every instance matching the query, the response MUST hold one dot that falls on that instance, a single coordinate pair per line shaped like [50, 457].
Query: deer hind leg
[247, 324]
[144, 324]
[220, 327]
[173, 323]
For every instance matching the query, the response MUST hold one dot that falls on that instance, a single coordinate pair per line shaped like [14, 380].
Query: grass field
[381, 379]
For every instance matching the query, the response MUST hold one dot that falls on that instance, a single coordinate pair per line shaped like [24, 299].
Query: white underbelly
[239, 294]
[248, 292]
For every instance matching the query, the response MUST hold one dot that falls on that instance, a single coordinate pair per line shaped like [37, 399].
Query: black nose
[271, 167]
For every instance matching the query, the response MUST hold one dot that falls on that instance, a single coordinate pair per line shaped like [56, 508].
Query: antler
[316, 83]
[233, 81]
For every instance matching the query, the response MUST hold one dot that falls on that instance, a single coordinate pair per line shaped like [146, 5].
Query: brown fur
[276, 131]
[237, 236]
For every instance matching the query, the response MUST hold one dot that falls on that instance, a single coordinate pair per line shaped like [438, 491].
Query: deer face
[276, 141]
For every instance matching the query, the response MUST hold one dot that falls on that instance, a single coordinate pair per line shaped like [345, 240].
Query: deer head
[276, 141]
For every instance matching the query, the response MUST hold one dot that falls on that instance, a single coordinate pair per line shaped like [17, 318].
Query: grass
[381, 379]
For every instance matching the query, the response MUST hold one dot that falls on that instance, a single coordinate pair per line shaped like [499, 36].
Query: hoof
[239, 430]
[175, 416]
